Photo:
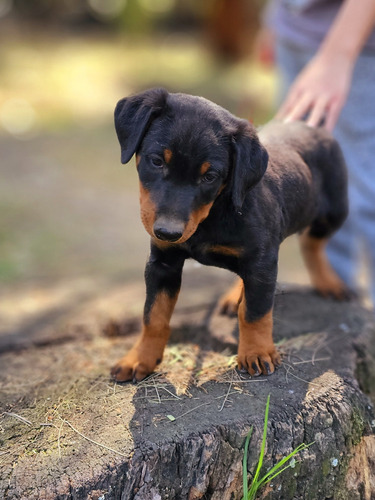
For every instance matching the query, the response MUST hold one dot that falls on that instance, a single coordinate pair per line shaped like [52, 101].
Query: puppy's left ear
[250, 163]
[133, 116]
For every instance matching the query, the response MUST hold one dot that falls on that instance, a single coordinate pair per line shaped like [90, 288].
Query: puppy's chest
[219, 241]
[223, 254]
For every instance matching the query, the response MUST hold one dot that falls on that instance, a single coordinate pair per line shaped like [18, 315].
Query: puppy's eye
[209, 177]
[157, 162]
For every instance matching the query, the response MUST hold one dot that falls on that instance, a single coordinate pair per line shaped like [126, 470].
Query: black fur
[262, 188]
[132, 117]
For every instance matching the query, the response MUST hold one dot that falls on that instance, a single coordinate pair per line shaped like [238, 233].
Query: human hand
[319, 92]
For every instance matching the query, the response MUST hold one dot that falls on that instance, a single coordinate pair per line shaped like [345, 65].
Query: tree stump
[68, 432]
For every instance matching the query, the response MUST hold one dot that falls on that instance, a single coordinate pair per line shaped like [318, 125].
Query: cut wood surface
[68, 432]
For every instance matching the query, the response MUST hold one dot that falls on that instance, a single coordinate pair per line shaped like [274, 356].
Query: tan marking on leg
[137, 160]
[204, 167]
[142, 359]
[256, 351]
[148, 209]
[230, 301]
[323, 278]
[167, 155]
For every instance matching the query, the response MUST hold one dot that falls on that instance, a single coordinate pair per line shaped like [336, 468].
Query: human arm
[321, 89]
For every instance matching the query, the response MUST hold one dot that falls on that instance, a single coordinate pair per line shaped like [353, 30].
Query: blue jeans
[355, 132]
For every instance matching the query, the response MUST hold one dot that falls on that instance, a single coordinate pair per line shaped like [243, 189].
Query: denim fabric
[304, 22]
[355, 132]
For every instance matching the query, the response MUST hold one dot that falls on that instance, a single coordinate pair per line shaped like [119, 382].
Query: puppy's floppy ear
[250, 162]
[133, 116]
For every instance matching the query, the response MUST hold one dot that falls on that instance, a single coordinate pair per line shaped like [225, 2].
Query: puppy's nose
[168, 232]
[166, 235]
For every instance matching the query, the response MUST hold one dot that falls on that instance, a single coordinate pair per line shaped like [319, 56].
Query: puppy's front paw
[258, 360]
[139, 362]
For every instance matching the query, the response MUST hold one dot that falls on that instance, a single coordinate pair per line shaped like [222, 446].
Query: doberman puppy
[214, 190]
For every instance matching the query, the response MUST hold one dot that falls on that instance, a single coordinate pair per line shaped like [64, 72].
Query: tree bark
[67, 432]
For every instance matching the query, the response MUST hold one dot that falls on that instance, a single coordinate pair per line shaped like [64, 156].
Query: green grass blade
[271, 474]
[254, 487]
[244, 465]
[283, 461]
[250, 494]
[261, 483]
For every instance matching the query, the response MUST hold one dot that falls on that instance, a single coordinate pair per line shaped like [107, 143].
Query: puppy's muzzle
[168, 230]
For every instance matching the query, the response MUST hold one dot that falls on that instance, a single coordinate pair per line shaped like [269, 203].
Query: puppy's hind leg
[323, 278]
[230, 301]
[332, 211]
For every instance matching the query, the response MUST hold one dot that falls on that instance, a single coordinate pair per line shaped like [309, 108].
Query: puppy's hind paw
[230, 301]
[335, 289]
[228, 307]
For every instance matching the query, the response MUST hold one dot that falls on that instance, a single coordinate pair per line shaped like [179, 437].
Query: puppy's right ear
[251, 159]
[133, 116]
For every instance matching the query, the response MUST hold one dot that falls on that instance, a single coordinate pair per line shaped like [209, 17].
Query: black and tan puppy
[213, 190]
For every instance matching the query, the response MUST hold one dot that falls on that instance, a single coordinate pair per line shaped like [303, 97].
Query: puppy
[214, 190]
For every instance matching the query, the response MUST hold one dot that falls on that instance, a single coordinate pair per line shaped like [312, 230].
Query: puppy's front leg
[163, 281]
[256, 350]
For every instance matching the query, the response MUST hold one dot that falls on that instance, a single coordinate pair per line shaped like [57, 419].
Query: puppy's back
[295, 135]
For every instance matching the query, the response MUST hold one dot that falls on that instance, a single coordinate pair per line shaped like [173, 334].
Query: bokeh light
[107, 9]
[5, 7]
[159, 6]
[18, 117]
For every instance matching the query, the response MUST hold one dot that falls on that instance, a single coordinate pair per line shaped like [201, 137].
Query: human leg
[355, 132]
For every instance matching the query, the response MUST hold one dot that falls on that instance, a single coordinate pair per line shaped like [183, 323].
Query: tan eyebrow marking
[204, 167]
[167, 155]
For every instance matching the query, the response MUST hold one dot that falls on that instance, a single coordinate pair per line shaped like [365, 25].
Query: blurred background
[68, 208]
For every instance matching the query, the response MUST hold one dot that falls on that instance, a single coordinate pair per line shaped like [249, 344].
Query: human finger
[301, 107]
[332, 114]
[288, 103]
[318, 112]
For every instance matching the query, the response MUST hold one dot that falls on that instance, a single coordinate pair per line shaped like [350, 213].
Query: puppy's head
[187, 151]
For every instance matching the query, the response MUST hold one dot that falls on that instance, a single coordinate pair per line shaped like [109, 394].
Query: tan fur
[167, 155]
[230, 301]
[195, 219]
[323, 277]
[256, 347]
[224, 250]
[148, 209]
[204, 167]
[141, 360]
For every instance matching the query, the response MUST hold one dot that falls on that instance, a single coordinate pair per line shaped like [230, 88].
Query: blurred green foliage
[67, 207]
[131, 15]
